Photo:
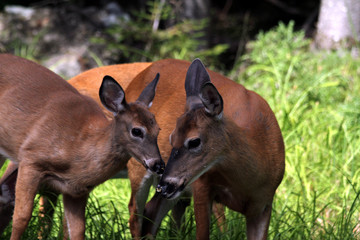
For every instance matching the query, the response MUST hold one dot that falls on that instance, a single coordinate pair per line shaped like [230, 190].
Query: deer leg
[11, 167]
[65, 230]
[47, 202]
[219, 212]
[178, 211]
[257, 226]
[26, 188]
[137, 204]
[134, 218]
[2, 161]
[141, 181]
[7, 198]
[155, 210]
[202, 209]
[75, 215]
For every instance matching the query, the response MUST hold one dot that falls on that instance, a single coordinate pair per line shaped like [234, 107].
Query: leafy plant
[149, 42]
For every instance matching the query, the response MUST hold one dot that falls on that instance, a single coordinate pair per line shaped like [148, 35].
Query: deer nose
[158, 167]
[165, 189]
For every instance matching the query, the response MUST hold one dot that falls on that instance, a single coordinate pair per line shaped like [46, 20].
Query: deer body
[229, 145]
[89, 82]
[250, 173]
[244, 180]
[167, 105]
[62, 139]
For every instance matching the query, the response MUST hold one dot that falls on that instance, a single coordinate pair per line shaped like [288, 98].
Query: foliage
[140, 40]
[315, 96]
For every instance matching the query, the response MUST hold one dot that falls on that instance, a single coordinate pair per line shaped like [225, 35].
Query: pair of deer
[227, 147]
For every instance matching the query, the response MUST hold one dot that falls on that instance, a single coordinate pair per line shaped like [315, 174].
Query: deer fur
[62, 139]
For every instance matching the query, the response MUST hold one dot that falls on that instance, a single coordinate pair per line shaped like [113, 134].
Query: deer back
[33, 95]
[88, 82]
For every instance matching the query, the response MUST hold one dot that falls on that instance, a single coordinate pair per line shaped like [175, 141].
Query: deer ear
[112, 95]
[196, 77]
[211, 99]
[148, 94]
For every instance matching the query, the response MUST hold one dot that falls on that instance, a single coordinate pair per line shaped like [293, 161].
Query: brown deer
[62, 139]
[168, 106]
[241, 106]
[228, 148]
[87, 83]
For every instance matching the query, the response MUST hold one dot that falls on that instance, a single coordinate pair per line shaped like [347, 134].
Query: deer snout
[159, 168]
[166, 189]
[170, 189]
[156, 165]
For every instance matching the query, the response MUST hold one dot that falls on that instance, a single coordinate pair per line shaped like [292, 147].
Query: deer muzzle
[169, 190]
[155, 165]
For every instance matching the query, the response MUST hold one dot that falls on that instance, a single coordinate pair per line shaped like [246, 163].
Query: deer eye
[193, 144]
[137, 132]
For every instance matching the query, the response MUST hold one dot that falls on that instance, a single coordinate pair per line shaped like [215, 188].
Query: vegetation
[142, 39]
[315, 96]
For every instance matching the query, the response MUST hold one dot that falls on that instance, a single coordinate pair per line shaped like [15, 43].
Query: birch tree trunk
[338, 24]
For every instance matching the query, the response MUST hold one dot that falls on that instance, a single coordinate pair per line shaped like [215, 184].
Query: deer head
[195, 139]
[137, 129]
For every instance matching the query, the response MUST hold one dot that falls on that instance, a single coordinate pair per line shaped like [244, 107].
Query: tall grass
[316, 98]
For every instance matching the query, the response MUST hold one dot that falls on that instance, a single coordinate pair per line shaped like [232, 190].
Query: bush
[137, 40]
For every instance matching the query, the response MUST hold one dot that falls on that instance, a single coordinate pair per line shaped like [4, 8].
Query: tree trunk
[338, 24]
[196, 9]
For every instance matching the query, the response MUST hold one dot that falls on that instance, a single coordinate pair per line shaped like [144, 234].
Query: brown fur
[246, 113]
[169, 96]
[62, 139]
[241, 152]
[88, 83]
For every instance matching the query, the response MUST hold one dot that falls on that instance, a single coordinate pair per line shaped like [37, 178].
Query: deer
[226, 147]
[88, 83]
[168, 105]
[61, 139]
[264, 152]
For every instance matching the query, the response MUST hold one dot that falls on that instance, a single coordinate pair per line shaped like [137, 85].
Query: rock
[24, 12]
[113, 15]
[59, 37]
[67, 64]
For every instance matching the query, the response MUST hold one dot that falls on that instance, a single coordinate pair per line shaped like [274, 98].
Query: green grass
[316, 98]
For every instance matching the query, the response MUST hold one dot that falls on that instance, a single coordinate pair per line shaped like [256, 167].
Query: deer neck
[106, 155]
[237, 157]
